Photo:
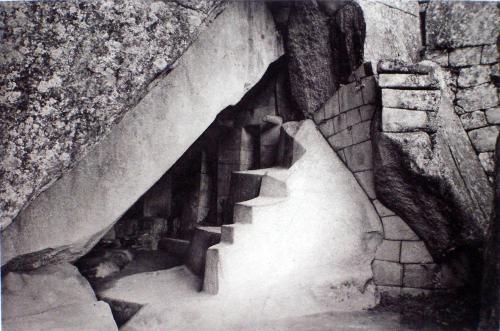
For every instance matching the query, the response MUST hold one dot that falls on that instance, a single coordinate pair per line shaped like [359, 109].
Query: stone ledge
[403, 120]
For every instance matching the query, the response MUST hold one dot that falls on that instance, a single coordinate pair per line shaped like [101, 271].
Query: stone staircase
[302, 240]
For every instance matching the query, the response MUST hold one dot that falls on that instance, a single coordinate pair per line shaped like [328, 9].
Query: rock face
[429, 174]
[69, 218]
[69, 72]
[460, 24]
[310, 65]
[55, 297]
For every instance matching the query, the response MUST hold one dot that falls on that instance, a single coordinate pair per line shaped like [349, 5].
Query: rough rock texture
[66, 220]
[310, 65]
[347, 35]
[460, 23]
[55, 297]
[69, 71]
[392, 30]
[433, 179]
[490, 303]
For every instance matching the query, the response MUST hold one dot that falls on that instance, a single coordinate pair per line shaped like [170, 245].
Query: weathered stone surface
[484, 139]
[69, 73]
[407, 80]
[387, 273]
[441, 57]
[398, 66]
[410, 99]
[347, 33]
[431, 276]
[437, 186]
[341, 140]
[389, 250]
[493, 115]
[310, 63]
[70, 217]
[383, 41]
[403, 120]
[490, 300]
[361, 132]
[367, 112]
[473, 76]
[473, 120]
[489, 54]
[359, 157]
[460, 23]
[415, 252]
[465, 56]
[488, 162]
[479, 97]
[350, 97]
[365, 179]
[396, 229]
[49, 287]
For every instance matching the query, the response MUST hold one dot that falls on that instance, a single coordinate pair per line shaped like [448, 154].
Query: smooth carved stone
[310, 64]
[396, 229]
[411, 99]
[403, 120]
[437, 186]
[407, 81]
[479, 97]
[484, 139]
[381, 209]
[389, 250]
[473, 76]
[473, 120]
[460, 23]
[365, 179]
[387, 273]
[415, 252]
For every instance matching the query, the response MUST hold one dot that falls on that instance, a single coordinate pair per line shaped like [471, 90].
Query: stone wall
[402, 263]
[462, 38]
[69, 72]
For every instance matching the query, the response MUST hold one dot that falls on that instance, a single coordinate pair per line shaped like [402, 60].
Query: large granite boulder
[70, 70]
[66, 221]
[310, 62]
[426, 169]
[54, 297]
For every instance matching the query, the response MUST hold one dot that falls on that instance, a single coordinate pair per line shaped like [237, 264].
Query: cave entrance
[195, 193]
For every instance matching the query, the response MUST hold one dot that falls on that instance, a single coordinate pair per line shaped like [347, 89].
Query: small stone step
[273, 187]
[203, 238]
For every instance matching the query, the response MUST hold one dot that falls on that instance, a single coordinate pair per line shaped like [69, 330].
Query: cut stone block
[415, 292]
[476, 98]
[340, 122]
[365, 179]
[465, 56]
[341, 140]
[396, 229]
[382, 210]
[359, 157]
[484, 139]
[488, 162]
[415, 252]
[370, 91]
[388, 250]
[419, 276]
[389, 291]
[473, 120]
[361, 132]
[364, 70]
[493, 115]
[489, 54]
[367, 112]
[403, 120]
[352, 117]
[438, 56]
[407, 81]
[411, 99]
[350, 97]
[204, 237]
[387, 273]
[399, 67]
[332, 106]
[326, 128]
[473, 76]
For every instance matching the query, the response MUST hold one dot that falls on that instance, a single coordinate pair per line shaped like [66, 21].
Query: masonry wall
[402, 263]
